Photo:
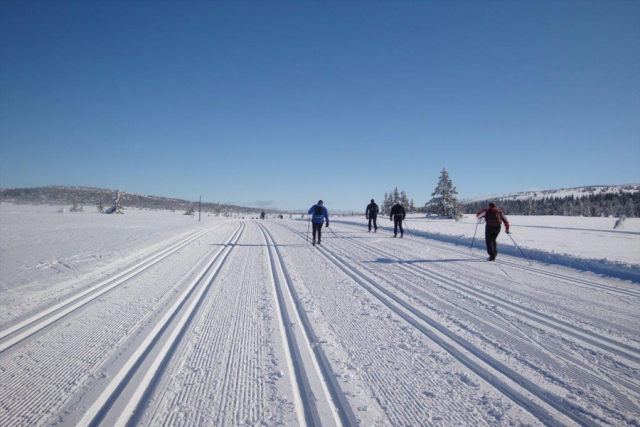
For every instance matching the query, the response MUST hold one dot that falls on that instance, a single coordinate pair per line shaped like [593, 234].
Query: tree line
[607, 204]
[444, 203]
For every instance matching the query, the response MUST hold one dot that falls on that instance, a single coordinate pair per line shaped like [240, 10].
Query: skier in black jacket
[372, 215]
[397, 216]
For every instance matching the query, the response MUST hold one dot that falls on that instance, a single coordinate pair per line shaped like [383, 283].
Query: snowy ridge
[560, 193]
[87, 196]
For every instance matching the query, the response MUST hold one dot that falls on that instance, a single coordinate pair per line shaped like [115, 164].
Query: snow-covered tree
[191, 210]
[116, 208]
[101, 206]
[395, 196]
[387, 202]
[404, 199]
[391, 198]
[444, 201]
[76, 207]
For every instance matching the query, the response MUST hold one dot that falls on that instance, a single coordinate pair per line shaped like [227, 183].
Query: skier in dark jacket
[318, 214]
[493, 218]
[397, 216]
[372, 215]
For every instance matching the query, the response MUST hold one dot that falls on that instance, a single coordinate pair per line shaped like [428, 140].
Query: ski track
[229, 371]
[407, 385]
[326, 402]
[14, 307]
[551, 368]
[69, 354]
[248, 324]
[631, 352]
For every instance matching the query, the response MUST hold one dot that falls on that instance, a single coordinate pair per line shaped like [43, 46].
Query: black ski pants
[374, 219]
[491, 235]
[397, 223]
[317, 229]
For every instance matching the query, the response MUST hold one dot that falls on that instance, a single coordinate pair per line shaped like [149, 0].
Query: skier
[262, 215]
[397, 216]
[318, 214]
[494, 218]
[372, 215]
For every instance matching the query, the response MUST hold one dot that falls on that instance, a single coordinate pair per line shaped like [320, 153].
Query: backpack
[319, 210]
[492, 218]
[374, 209]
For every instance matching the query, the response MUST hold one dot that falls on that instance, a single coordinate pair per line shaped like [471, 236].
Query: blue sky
[282, 103]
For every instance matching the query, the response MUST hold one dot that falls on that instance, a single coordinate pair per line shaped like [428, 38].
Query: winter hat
[319, 202]
[492, 205]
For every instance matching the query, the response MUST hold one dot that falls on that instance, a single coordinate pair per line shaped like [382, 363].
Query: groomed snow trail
[245, 323]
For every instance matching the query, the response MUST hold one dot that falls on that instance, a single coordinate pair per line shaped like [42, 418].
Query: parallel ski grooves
[347, 417]
[591, 338]
[402, 308]
[96, 413]
[52, 314]
[525, 267]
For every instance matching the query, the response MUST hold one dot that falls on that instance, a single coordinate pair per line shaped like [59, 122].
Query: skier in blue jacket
[318, 214]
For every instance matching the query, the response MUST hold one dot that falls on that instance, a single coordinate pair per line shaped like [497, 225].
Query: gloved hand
[326, 224]
[366, 217]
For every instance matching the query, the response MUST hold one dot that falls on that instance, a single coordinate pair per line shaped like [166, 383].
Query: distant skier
[397, 216]
[318, 215]
[262, 215]
[493, 218]
[372, 215]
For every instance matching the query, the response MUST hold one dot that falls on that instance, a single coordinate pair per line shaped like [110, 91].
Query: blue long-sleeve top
[319, 218]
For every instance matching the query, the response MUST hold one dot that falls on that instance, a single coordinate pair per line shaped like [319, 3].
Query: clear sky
[282, 103]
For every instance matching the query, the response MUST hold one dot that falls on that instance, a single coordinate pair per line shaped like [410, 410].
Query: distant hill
[561, 193]
[89, 196]
[593, 200]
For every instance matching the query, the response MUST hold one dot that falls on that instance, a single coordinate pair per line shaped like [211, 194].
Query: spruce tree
[391, 198]
[444, 201]
[404, 199]
[387, 203]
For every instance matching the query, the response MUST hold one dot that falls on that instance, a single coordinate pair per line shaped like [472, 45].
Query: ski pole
[514, 242]
[407, 227]
[336, 236]
[474, 235]
[308, 226]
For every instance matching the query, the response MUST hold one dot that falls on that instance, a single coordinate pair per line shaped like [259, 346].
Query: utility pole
[199, 208]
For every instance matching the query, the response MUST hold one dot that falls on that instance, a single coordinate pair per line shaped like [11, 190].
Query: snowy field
[157, 319]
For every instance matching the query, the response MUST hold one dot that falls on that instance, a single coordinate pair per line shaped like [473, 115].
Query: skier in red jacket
[494, 218]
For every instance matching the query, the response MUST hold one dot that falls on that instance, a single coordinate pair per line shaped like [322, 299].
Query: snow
[156, 318]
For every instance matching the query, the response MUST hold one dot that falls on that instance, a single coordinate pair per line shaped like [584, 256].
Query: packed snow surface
[155, 318]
